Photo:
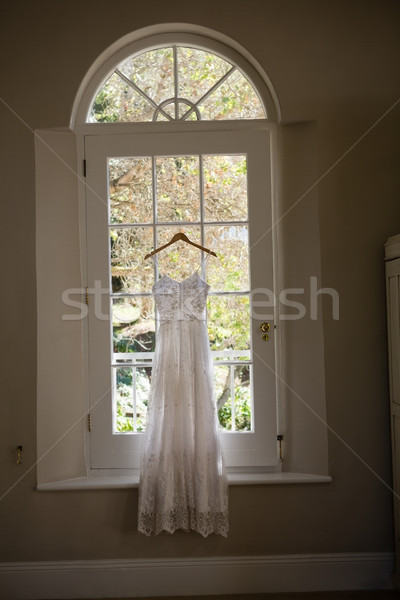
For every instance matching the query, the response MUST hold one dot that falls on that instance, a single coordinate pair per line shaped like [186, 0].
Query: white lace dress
[183, 484]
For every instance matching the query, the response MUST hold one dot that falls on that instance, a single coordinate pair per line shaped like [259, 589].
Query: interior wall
[333, 63]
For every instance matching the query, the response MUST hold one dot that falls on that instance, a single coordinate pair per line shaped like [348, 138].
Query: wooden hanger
[176, 238]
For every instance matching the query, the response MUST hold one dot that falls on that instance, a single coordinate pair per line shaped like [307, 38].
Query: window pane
[228, 320]
[233, 99]
[242, 397]
[152, 72]
[129, 271]
[181, 259]
[119, 102]
[178, 188]
[168, 109]
[225, 188]
[130, 189]
[238, 376]
[198, 72]
[161, 116]
[123, 399]
[192, 117]
[131, 389]
[143, 381]
[230, 271]
[183, 109]
[222, 386]
[133, 324]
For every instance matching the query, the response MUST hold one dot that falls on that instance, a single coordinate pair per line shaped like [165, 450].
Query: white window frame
[256, 449]
[62, 393]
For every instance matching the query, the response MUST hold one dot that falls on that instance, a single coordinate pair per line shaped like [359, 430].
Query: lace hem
[188, 519]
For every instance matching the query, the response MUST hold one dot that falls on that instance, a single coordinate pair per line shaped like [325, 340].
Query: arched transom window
[175, 83]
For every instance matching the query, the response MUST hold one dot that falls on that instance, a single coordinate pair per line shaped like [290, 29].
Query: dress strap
[156, 267]
[203, 263]
[155, 260]
[202, 267]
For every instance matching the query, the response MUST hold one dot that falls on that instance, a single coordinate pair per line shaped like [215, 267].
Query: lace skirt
[183, 484]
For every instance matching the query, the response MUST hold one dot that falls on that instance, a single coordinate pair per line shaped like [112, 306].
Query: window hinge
[280, 438]
[90, 422]
[87, 295]
[84, 167]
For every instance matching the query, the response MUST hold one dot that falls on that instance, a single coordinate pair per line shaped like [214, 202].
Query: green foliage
[124, 399]
[228, 322]
[103, 108]
[242, 409]
[242, 401]
[124, 407]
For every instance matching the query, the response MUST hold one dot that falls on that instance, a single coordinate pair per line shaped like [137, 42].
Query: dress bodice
[181, 300]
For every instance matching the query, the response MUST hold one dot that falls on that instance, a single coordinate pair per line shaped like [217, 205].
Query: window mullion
[154, 223]
[176, 82]
[232, 385]
[134, 399]
[201, 184]
[114, 388]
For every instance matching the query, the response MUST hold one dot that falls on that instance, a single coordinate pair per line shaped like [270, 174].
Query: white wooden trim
[175, 127]
[195, 576]
[96, 482]
[392, 247]
[257, 448]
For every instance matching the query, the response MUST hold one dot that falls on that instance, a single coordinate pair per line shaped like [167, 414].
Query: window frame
[62, 410]
[228, 127]
[202, 38]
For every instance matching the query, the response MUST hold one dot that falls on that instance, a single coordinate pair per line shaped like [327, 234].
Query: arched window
[175, 83]
[143, 181]
[177, 139]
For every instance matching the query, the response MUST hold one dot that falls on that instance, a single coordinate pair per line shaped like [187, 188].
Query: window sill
[125, 482]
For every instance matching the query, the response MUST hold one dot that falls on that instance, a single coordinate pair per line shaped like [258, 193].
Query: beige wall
[334, 63]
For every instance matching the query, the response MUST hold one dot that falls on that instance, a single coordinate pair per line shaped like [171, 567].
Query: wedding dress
[183, 484]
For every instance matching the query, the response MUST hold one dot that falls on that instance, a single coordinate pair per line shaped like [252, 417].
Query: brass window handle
[264, 328]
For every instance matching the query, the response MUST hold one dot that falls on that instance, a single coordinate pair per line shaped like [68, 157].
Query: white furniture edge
[132, 578]
[123, 482]
[392, 247]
